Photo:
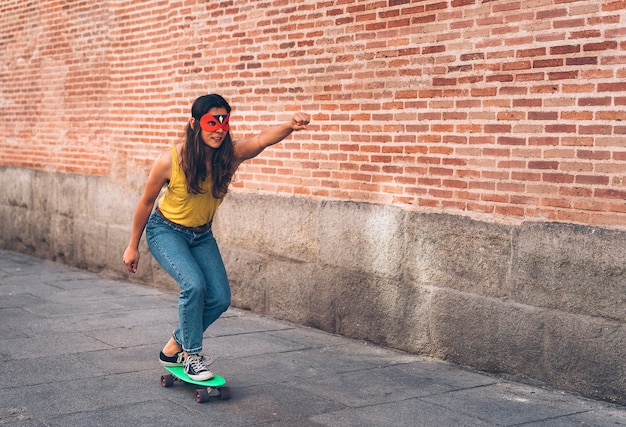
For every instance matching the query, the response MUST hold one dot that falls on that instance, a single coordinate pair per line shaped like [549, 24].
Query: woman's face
[213, 138]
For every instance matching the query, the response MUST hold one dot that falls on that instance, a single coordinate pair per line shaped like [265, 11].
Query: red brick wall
[498, 109]
[54, 85]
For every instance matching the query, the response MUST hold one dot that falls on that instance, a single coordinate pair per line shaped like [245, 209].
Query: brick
[560, 128]
[527, 102]
[460, 3]
[499, 78]
[595, 129]
[612, 116]
[510, 211]
[525, 53]
[484, 91]
[511, 115]
[440, 81]
[427, 50]
[462, 68]
[472, 56]
[569, 23]
[528, 77]
[454, 183]
[543, 115]
[497, 128]
[518, 65]
[551, 13]
[586, 102]
[612, 87]
[544, 140]
[589, 60]
[542, 164]
[514, 90]
[605, 45]
[591, 180]
[507, 140]
[593, 155]
[617, 5]
[424, 19]
[546, 63]
[560, 178]
[563, 75]
[565, 49]
[429, 7]
[610, 193]
[480, 92]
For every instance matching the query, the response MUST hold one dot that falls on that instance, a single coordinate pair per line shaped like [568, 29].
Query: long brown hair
[194, 151]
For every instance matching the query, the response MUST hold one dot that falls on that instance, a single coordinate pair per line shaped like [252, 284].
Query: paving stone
[80, 349]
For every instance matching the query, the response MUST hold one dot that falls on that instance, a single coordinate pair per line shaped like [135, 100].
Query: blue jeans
[194, 261]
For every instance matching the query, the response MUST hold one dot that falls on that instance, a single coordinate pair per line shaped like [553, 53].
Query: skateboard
[213, 387]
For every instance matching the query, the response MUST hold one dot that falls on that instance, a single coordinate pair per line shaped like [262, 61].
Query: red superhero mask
[211, 123]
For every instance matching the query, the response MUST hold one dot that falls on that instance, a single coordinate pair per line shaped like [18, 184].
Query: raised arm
[248, 148]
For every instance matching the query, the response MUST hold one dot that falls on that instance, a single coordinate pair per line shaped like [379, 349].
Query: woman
[178, 232]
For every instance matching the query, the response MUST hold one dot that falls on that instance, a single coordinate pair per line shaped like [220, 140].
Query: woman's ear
[192, 122]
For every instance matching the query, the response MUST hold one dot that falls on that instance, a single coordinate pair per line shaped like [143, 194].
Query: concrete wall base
[544, 301]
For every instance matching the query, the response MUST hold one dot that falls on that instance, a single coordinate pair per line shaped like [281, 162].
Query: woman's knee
[219, 301]
[223, 302]
[226, 304]
[194, 288]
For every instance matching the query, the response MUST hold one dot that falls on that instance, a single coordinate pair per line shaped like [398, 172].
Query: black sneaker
[194, 367]
[176, 360]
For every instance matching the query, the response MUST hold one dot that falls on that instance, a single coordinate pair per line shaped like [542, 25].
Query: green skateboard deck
[213, 387]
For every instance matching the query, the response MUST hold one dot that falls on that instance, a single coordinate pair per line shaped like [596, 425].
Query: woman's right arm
[159, 175]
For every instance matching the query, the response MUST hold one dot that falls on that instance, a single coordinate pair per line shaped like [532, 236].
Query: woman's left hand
[299, 121]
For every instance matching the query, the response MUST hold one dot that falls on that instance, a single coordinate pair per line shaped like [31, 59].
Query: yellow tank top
[188, 210]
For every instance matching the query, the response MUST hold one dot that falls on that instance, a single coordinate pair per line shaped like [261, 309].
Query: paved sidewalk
[80, 349]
